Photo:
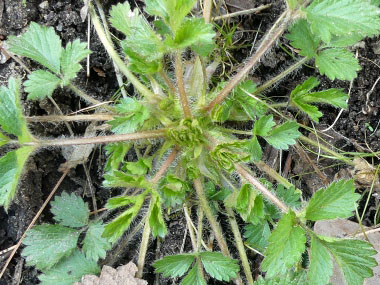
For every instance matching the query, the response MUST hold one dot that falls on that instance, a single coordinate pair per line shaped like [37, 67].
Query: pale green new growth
[94, 245]
[70, 270]
[336, 201]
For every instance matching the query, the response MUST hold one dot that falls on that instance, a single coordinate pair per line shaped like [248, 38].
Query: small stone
[44, 5]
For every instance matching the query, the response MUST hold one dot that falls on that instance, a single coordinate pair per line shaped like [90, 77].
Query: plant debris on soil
[350, 133]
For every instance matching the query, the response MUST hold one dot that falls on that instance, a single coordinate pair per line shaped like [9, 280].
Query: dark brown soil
[42, 170]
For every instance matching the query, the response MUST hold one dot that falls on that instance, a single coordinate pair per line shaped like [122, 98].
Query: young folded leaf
[286, 245]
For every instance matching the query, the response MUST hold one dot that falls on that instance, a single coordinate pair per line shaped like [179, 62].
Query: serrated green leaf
[336, 201]
[245, 201]
[194, 277]
[254, 149]
[263, 126]
[302, 38]
[196, 33]
[337, 63]
[41, 84]
[284, 135]
[70, 210]
[286, 245]
[47, 244]
[290, 278]
[172, 190]
[257, 235]
[219, 266]
[122, 179]
[39, 43]
[305, 87]
[156, 219]
[116, 153]
[11, 167]
[140, 167]
[69, 270]
[290, 196]
[174, 265]
[249, 105]
[354, 257]
[94, 245]
[141, 39]
[321, 266]
[173, 12]
[335, 97]
[332, 17]
[116, 228]
[117, 202]
[74, 53]
[135, 114]
[11, 118]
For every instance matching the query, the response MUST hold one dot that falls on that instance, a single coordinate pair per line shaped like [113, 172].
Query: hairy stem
[181, 86]
[65, 118]
[282, 75]
[273, 173]
[257, 184]
[269, 40]
[240, 245]
[83, 95]
[100, 139]
[116, 58]
[168, 81]
[144, 243]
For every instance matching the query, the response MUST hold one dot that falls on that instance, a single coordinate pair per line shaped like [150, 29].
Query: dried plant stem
[34, 221]
[190, 227]
[181, 86]
[65, 118]
[273, 173]
[100, 139]
[257, 184]
[244, 12]
[269, 40]
[207, 10]
[116, 58]
[240, 245]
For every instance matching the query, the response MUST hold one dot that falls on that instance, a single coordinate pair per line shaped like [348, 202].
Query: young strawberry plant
[192, 156]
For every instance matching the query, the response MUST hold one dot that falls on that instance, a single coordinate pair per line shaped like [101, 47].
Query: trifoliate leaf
[196, 33]
[257, 235]
[41, 84]
[122, 179]
[156, 219]
[219, 266]
[302, 38]
[11, 166]
[94, 245]
[11, 118]
[70, 210]
[337, 63]
[134, 115]
[286, 245]
[194, 277]
[321, 265]
[263, 126]
[47, 244]
[336, 201]
[74, 53]
[116, 153]
[290, 278]
[172, 190]
[174, 265]
[354, 257]
[305, 87]
[141, 39]
[39, 43]
[331, 17]
[173, 12]
[284, 135]
[69, 270]
[115, 229]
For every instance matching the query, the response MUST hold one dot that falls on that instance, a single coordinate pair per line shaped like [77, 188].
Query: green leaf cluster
[53, 248]
[145, 47]
[227, 154]
[328, 28]
[214, 263]
[172, 190]
[302, 98]
[43, 45]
